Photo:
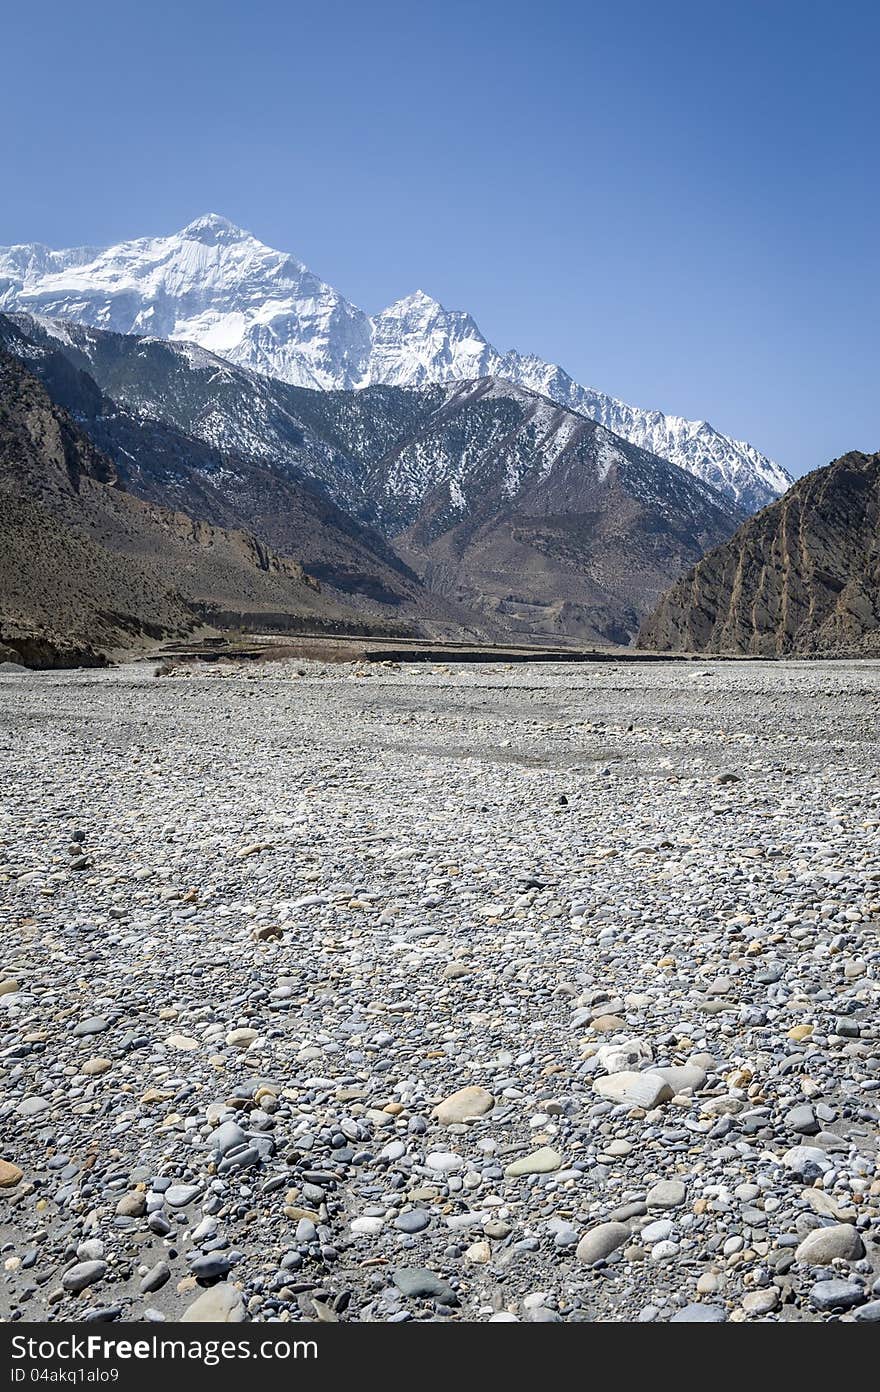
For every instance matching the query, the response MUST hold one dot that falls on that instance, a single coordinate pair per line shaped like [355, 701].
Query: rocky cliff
[803, 576]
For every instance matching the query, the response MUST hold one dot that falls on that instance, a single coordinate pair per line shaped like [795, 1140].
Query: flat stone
[464, 1105]
[836, 1295]
[700, 1314]
[667, 1193]
[419, 1282]
[685, 1077]
[446, 1161]
[179, 1195]
[617, 1148]
[658, 1231]
[825, 1245]
[94, 1067]
[543, 1161]
[210, 1265]
[367, 1226]
[95, 1024]
[414, 1220]
[221, 1304]
[645, 1090]
[33, 1106]
[799, 1033]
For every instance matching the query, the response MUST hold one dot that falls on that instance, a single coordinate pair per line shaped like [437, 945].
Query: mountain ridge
[216, 285]
[502, 502]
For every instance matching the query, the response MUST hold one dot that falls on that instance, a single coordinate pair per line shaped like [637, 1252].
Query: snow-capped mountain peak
[417, 340]
[212, 227]
[216, 285]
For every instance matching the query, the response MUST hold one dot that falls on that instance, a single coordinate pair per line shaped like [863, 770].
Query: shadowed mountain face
[158, 460]
[801, 577]
[567, 530]
[458, 499]
[86, 568]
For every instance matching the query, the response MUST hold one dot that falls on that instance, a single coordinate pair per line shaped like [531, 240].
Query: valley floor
[258, 922]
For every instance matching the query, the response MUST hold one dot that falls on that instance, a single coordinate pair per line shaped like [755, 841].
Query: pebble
[94, 1067]
[179, 1195]
[155, 1278]
[761, 1302]
[415, 1220]
[95, 1024]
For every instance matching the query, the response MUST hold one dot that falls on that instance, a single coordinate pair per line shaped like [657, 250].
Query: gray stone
[179, 1195]
[227, 1136]
[414, 1220]
[95, 1024]
[836, 1295]
[155, 1278]
[419, 1282]
[210, 1265]
[599, 1242]
[667, 1193]
[700, 1314]
[83, 1274]
[645, 1090]
[683, 1077]
[799, 1158]
[802, 1119]
[868, 1314]
[33, 1106]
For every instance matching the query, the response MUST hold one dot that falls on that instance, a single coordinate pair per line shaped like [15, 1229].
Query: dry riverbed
[380, 993]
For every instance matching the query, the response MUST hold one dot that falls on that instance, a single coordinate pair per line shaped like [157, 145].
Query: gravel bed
[385, 993]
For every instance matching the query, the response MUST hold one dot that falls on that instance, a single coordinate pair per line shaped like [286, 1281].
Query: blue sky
[677, 201]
